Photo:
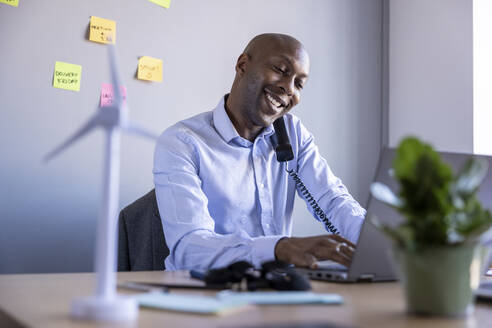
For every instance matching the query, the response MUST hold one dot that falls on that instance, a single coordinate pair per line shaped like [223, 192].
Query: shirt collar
[223, 123]
[226, 129]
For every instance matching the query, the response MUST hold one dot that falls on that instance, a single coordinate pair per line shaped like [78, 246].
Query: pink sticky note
[107, 94]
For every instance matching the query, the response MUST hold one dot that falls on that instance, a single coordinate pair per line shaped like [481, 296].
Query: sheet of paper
[162, 3]
[14, 3]
[107, 94]
[67, 76]
[188, 303]
[149, 69]
[102, 30]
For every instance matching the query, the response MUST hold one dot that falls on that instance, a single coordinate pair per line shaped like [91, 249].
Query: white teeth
[273, 101]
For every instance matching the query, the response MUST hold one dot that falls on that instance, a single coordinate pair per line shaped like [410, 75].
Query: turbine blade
[87, 127]
[135, 129]
[118, 97]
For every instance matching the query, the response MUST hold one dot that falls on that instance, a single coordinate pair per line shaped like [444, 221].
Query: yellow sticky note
[13, 3]
[102, 30]
[149, 69]
[162, 3]
[67, 76]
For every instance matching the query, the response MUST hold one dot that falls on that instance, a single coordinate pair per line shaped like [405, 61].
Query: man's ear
[242, 63]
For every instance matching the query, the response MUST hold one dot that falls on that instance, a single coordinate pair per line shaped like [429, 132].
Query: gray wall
[431, 72]
[48, 212]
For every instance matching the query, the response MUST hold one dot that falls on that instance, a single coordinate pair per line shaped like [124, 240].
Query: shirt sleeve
[187, 224]
[343, 211]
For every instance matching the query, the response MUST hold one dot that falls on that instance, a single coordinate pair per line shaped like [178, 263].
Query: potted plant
[437, 247]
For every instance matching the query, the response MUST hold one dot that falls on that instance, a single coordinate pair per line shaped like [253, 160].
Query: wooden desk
[43, 300]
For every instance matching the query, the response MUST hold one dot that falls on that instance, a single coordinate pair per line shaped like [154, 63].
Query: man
[223, 196]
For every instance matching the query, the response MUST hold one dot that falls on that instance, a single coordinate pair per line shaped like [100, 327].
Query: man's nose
[287, 86]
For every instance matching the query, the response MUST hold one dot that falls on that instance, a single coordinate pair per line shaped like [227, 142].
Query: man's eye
[278, 69]
[299, 86]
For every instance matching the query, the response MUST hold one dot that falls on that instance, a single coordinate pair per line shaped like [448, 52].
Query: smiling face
[270, 76]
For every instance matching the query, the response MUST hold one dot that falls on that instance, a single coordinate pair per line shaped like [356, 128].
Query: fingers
[343, 240]
[345, 252]
[329, 248]
[306, 260]
[323, 248]
[310, 261]
[345, 249]
[341, 258]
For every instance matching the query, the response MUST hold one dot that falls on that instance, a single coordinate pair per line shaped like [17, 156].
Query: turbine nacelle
[114, 116]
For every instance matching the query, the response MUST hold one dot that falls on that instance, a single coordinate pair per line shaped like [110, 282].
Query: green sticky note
[13, 3]
[162, 3]
[67, 76]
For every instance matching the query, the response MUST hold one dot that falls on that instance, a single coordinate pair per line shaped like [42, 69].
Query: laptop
[372, 260]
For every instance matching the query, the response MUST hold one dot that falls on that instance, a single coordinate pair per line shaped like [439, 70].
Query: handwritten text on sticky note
[107, 95]
[102, 30]
[162, 3]
[149, 69]
[13, 3]
[67, 76]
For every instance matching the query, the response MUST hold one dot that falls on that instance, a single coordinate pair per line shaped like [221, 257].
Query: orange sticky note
[13, 3]
[149, 69]
[162, 3]
[102, 30]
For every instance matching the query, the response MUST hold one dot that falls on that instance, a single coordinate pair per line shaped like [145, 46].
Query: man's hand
[305, 252]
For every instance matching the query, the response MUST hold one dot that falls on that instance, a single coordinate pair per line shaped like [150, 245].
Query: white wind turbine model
[106, 305]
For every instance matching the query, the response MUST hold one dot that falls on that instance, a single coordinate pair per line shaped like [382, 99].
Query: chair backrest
[141, 242]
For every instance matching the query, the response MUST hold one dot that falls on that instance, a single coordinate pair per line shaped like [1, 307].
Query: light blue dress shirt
[223, 198]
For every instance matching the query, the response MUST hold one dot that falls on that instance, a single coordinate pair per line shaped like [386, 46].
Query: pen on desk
[142, 287]
[156, 286]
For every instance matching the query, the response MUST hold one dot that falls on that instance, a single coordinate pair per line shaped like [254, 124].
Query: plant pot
[440, 280]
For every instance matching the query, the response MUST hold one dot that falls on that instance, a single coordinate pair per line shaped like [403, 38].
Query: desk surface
[42, 300]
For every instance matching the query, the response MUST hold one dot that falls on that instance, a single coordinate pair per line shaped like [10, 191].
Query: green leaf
[384, 194]
[402, 235]
[474, 221]
[471, 176]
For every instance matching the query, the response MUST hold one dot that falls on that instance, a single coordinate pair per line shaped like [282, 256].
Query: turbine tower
[106, 305]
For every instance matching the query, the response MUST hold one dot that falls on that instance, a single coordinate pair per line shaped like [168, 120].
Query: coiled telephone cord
[312, 202]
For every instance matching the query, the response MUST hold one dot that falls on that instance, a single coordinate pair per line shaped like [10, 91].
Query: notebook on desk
[372, 258]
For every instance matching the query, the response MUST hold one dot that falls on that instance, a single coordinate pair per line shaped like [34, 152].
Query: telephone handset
[281, 142]
[283, 150]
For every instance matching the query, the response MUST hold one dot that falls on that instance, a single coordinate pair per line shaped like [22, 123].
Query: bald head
[260, 43]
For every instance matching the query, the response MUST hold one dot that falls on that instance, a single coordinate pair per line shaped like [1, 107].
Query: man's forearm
[204, 249]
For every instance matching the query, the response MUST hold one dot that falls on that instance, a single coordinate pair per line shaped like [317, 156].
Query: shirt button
[267, 225]
[262, 185]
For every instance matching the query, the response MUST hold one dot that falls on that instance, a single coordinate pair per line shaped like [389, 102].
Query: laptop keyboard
[486, 284]
[331, 265]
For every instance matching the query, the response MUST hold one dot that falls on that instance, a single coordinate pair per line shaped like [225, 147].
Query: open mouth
[276, 102]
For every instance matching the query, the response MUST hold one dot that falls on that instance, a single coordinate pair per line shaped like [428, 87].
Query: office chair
[141, 242]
